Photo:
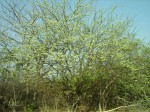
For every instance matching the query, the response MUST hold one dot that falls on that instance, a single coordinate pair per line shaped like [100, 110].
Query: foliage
[60, 55]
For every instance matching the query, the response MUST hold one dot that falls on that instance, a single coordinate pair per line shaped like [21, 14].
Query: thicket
[63, 54]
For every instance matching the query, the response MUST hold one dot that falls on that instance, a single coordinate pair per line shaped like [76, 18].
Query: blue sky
[139, 9]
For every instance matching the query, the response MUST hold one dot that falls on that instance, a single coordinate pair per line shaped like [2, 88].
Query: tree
[83, 55]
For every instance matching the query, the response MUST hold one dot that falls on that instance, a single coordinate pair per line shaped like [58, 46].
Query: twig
[120, 108]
